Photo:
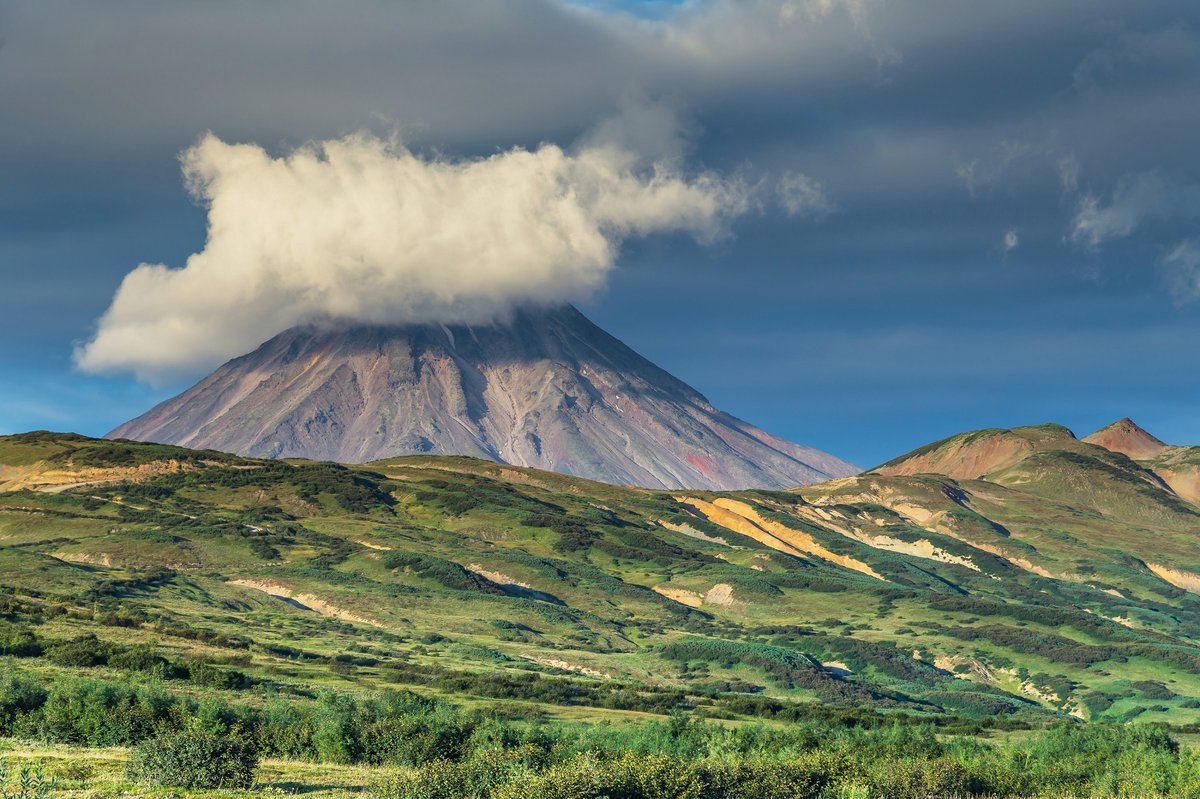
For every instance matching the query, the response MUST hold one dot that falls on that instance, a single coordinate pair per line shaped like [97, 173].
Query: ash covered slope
[548, 389]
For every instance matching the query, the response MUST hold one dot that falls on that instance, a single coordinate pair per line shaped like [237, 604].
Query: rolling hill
[1060, 580]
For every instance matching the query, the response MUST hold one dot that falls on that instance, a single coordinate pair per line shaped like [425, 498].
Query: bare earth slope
[549, 390]
[1126, 437]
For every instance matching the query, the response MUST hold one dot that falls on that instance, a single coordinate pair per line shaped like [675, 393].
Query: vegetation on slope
[463, 618]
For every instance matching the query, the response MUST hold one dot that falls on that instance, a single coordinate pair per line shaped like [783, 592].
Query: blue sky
[1012, 191]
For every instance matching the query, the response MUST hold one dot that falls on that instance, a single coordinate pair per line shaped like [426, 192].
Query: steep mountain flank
[547, 389]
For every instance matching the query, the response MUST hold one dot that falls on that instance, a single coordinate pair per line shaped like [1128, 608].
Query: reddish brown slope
[1126, 437]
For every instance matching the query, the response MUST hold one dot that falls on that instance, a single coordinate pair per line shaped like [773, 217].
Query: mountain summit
[547, 388]
[1126, 437]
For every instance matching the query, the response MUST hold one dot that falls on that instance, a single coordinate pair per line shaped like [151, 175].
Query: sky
[861, 225]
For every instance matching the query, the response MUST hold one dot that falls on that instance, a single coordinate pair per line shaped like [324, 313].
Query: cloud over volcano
[363, 228]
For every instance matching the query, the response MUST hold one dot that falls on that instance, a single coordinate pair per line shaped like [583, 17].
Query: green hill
[1052, 586]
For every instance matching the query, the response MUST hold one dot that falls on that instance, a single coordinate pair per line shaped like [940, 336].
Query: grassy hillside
[1057, 586]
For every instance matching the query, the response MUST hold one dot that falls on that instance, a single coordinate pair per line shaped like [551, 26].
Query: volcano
[546, 388]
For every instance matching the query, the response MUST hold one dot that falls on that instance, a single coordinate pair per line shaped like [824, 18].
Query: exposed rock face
[1126, 437]
[548, 389]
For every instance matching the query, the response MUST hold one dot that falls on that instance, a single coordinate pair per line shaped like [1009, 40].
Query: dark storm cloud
[883, 101]
[938, 156]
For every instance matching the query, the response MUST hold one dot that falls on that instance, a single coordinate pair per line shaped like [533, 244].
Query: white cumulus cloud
[363, 228]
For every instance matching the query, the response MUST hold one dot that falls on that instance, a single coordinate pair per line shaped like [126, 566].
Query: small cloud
[1068, 173]
[1011, 240]
[802, 195]
[1181, 268]
[983, 173]
[1136, 199]
[965, 170]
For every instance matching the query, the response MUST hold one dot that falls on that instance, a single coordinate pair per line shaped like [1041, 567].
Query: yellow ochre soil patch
[681, 595]
[1188, 581]
[37, 477]
[923, 548]
[565, 665]
[692, 532]
[98, 559]
[1183, 480]
[742, 518]
[499, 578]
[310, 601]
[371, 545]
[720, 594]
[938, 522]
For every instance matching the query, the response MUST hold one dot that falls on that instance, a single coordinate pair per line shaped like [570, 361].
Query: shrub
[82, 652]
[18, 698]
[921, 779]
[100, 714]
[1151, 689]
[627, 776]
[140, 658]
[194, 760]
[18, 641]
[213, 677]
[796, 779]
[482, 775]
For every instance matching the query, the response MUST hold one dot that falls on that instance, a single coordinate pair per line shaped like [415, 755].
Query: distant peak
[1128, 438]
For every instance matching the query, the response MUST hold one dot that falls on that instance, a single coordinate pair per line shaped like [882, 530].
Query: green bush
[627, 776]
[921, 779]
[213, 677]
[194, 760]
[141, 658]
[18, 641]
[83, 652]
[100, 713]
[19, 698]
[482, 775]
[804, 778]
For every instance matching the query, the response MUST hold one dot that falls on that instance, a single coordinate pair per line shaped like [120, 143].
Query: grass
[530, 595]
[92, 771]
